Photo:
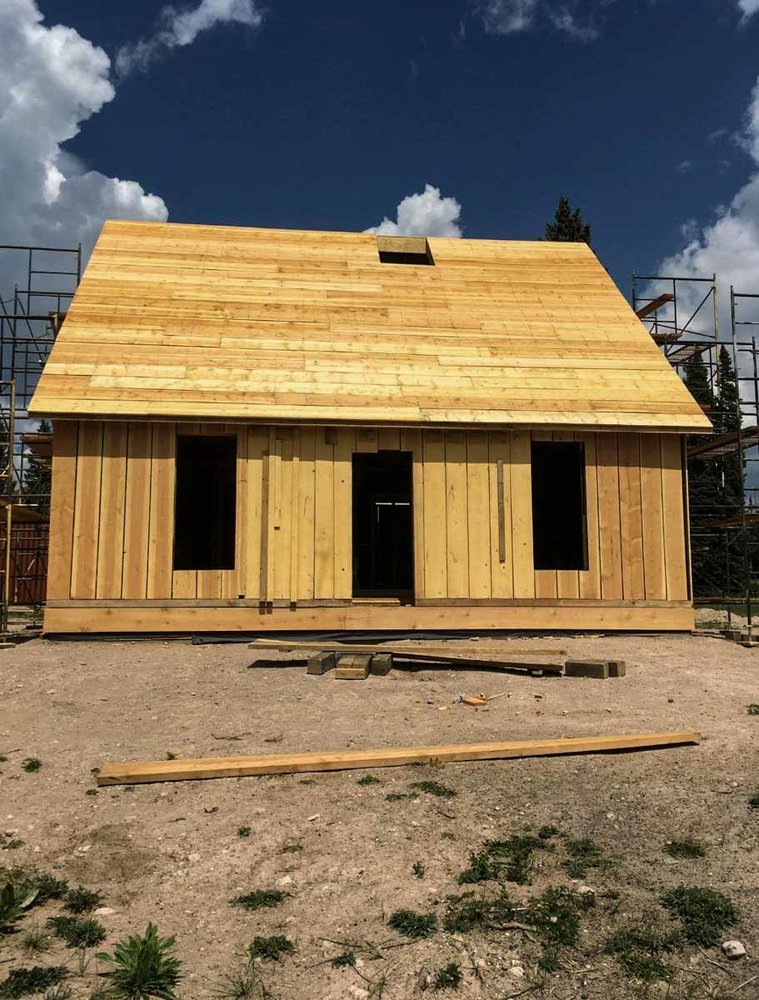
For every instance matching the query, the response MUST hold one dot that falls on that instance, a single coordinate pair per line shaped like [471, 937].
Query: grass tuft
[345, 960]
[369, 779]
[435, 788]
[82, 900]
[27, 981]
[396, 796]
[511, 858]
[260, 899]
[547, 832]
[419, 869]
[703, 913]
[556, 915]
[35, 941]
[468, 912]
[584, 854]
[292, 848]
[413, 925]
[76, 932]
[270, 949]
[31, 764]
[687, 848]
[143, 966]
[639, 948]
[59, 992]
[244, 831]
[448, 978]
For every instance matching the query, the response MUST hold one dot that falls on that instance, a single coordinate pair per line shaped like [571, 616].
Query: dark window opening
[399, 257]
[383, 538]
[559, 536]
[404, 250]
[205, 502]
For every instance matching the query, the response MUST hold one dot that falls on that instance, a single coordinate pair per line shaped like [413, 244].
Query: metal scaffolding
[683, 317]
[30, 318]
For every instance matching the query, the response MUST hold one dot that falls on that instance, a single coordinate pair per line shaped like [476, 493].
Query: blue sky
[326, 115]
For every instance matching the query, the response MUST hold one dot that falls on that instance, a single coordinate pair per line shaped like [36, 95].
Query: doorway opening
[383, 535]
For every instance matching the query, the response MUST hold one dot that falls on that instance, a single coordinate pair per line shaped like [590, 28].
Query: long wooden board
[426, 654]
[198, 768]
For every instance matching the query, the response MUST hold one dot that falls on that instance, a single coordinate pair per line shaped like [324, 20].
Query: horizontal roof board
[182, 321]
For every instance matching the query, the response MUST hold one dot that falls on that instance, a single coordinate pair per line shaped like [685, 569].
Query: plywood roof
[228, 323]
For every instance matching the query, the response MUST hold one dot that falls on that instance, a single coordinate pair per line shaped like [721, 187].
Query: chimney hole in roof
[404, 250]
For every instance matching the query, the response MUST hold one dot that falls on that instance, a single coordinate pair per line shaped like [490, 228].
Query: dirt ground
[171, 852]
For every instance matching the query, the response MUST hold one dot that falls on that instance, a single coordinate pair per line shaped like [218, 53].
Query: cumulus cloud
[509, 17]
[51, 81]
[748, 7]
[729, 245]
[424, 214]
[177, 28]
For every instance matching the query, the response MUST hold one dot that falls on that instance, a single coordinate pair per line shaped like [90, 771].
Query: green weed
[448, 978]
[752, 709]
[31, 764]
[556, 915]
[369, 779]
[435, 788]
[24, 982]
[244, 985]
[345, 960]
[14, 902]
[547, 832]
[3, 758]
[639, 948]
[468, 912]
[143, 966]
[82, 900]
[396, 796]
[686, 848]
[753, 802]
[76, 932]
[244, 831]
[703, 913]
[511, 858]
[413, 925]
[260, 899]
[418, 869]
[270, 949]
[583, 855]
[35, 941]
[292, 848]
[10, 843]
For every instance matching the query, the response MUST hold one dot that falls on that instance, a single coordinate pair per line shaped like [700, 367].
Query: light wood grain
[225, 323]
[198, 768]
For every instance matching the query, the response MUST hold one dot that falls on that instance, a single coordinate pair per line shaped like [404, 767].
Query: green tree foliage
[567, 226]
[36, 478]
[715, 485]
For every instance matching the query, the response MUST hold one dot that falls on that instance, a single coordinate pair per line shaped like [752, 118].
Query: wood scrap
[458, 656]
[194, 769]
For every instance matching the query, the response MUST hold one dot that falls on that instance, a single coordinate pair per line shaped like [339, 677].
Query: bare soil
[171, 852]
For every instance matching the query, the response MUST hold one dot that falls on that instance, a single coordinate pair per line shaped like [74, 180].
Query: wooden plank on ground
[195, 769]
[354, 667]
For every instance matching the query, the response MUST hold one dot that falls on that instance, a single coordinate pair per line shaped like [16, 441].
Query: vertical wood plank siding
[112, 515]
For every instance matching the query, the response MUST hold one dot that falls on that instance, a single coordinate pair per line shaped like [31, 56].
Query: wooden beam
[198, 768]
[653, 305]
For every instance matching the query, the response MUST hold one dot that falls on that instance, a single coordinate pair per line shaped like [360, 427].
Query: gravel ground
[171, 853]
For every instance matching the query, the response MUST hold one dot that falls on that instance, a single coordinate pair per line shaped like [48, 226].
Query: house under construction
[264, 429]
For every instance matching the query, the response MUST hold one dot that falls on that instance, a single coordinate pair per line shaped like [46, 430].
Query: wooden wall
[113, 496]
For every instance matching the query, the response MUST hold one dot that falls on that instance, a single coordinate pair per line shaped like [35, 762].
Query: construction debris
[195, 769]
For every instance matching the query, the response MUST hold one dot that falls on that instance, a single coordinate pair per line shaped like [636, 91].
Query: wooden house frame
[267, 429]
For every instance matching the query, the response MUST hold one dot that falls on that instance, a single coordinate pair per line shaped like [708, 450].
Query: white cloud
[729, 245]
[748, 7]
[424, 214]
[510, 17]
[177, 28]
[51, 81]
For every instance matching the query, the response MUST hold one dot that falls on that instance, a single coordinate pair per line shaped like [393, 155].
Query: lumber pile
[199, 768]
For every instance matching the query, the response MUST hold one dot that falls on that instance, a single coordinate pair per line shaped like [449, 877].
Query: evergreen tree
[567, 226]
[37, 477]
